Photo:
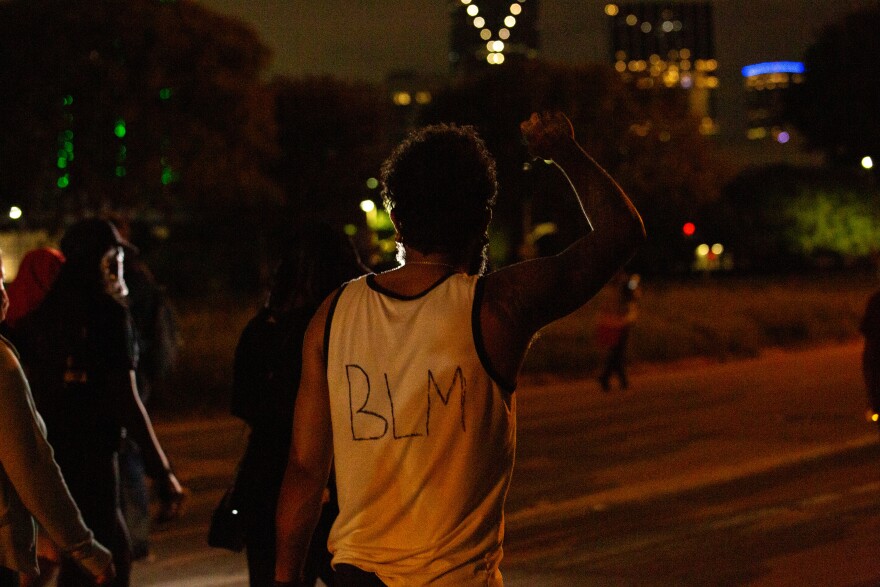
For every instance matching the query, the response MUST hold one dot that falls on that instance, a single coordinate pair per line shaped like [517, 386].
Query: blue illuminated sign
[773, 67]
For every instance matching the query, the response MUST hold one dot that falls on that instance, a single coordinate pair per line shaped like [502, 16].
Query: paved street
[757, 472]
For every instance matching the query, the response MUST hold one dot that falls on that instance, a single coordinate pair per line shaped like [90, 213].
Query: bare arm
[140, 428]
[311, 453]
[523, 298]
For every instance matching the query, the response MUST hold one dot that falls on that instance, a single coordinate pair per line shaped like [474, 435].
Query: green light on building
[62, 162]
[165, 93]
[168, 176]
[119, 130]
[68, 100]
[64, 181]
[120, 171]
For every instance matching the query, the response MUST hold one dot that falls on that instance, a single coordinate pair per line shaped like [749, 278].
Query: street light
[867, 162]
[15, 212]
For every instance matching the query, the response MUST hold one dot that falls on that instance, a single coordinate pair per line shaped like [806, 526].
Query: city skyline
[366, 39]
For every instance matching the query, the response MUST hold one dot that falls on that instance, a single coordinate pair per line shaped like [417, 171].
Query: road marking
[544, 512]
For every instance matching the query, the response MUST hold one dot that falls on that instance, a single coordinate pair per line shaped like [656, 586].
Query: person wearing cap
[31, 485]
[79, 350]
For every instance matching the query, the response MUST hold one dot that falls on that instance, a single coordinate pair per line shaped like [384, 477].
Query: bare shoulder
[8, 360]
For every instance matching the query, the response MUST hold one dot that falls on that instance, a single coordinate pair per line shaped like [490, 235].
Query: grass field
[716, 318]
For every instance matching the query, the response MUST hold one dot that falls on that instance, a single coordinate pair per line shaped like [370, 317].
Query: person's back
[453, 345]
[423, 434]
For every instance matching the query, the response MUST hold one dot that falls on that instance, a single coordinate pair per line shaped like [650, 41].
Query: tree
[836, 108]
[149, 107]
[331, 136]
[790, 217]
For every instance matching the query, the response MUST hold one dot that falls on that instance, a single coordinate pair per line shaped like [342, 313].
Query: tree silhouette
[136, 105]
[836, 108]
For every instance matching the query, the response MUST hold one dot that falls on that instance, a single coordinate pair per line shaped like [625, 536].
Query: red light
[688, 229]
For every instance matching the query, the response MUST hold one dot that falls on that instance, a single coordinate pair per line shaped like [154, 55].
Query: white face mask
[111, 271]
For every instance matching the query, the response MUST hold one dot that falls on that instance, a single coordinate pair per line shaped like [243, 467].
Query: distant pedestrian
[870, 328]
[31, 485]
[613, 328]
[266, 376]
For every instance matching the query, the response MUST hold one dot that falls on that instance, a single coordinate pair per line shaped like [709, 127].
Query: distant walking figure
[614, 325]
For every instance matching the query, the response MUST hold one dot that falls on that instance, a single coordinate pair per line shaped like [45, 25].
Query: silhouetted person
[267, 370]
[408, 376]
[31, 486]
[614, 325]
[79, 351]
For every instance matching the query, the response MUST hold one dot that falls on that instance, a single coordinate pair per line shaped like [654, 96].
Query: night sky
[365, 39]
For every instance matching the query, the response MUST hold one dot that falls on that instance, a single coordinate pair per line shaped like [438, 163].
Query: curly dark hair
[440, 184]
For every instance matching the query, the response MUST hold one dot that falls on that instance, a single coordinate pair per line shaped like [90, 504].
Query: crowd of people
[78, 442]
[381, 406]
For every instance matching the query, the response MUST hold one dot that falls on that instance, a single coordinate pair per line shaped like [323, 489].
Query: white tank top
[423, 435]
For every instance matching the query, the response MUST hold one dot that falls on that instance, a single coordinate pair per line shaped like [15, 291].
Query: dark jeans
[351, 576]
[8, 577]
[615, 362]
[93, 480]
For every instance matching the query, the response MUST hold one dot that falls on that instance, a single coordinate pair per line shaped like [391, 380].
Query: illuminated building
[409, 93]
[488, 33]
[667, 46]
[765, 88]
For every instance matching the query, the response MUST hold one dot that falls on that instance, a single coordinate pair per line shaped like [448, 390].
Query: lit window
[504, 34]
[717, 248]
[611, 9]
[423, 97]
[867, 162]
[515, 9]
[632, 20]
[473, 10]
[509, 21]
[703, 250]
[646, 27]
[479, 22]
[498, 46]
[684, 53]
[485, 34]
[667, 26]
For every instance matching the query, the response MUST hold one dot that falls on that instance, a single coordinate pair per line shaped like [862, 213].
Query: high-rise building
[765, 87]
[486, 33]
[667, 46]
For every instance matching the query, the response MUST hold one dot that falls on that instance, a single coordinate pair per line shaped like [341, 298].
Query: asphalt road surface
[756, 472]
